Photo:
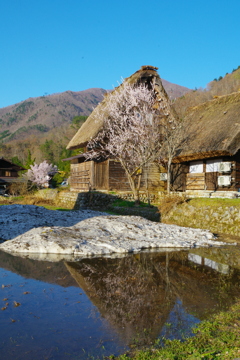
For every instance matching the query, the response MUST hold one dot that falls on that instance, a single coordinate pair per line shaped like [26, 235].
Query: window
[7, 173]
[213, 165]
[196, 167]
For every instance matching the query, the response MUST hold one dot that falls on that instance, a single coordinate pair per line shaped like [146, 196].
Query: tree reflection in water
[140, 293]
[138, 298]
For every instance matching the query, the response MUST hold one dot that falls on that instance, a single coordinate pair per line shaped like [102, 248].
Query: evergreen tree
[30, 161]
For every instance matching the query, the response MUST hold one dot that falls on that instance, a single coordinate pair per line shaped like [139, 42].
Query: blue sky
[51, 46]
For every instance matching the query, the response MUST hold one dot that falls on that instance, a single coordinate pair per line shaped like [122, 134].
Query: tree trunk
[132, 184]
[169, 175]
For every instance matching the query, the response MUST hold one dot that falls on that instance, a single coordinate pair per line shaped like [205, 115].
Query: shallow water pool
[102, 306]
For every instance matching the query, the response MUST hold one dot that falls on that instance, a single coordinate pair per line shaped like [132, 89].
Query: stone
[86, 233]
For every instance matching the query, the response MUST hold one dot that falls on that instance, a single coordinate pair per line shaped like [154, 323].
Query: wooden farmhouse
[8, 173]
[108, 174]
[212, 161]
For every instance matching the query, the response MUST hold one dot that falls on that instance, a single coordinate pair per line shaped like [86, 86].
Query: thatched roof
[89, 129]
[215, 128]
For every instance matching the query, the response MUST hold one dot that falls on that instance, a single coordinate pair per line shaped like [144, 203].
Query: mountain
[41, 114]
[174, 90]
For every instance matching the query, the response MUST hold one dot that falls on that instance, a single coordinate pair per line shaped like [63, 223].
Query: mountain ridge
[38, 115]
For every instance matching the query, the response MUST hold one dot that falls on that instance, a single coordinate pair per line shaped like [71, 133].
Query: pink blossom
[40, 174]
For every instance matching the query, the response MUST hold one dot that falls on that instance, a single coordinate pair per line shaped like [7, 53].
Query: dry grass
[19, 189]
[6, 200]
[35, 200]
[26, 200]
[169, 202]
[20, 194]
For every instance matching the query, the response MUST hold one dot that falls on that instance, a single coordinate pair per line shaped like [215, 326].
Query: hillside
[39, 115]
[173, 90]
[222, 86]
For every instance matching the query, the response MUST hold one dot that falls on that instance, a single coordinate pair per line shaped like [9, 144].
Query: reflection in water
[139, 293]
[222, 268]
[122, 302]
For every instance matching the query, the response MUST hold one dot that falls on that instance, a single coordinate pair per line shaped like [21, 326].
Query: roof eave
[201, 155]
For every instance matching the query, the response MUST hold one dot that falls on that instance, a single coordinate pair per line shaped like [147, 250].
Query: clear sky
[50, 46]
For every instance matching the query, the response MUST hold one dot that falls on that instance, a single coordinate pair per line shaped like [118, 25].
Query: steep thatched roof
[215, 128]
[89, 130]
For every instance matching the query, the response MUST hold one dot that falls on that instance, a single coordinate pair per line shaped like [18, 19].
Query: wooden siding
[101, 175]
[89, 175]
[212, 177]
[80, 179]
[178, 176]
[195, 181]
[109, 175]
[8, 169]
[151, 178]
[237, 170]
[117, 177]
[8, 173]
[209, 180]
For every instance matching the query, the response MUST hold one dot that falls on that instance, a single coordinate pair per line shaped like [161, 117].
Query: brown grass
[19, 189]
[35, 200]
[169, 202]
[26, 200]
[5, 200]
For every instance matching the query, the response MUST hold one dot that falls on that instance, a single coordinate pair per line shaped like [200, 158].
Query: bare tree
[131, 131]
[175, 139]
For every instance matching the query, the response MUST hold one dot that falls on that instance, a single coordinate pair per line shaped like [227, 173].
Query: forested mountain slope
[39, 115]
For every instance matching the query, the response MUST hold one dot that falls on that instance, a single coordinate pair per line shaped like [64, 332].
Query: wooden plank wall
[80, 179]
[212, 177]
[179, 173]
[195, 181]
[237, 170]
[151, 178]
[117, 177]
[101, 175]
[209, 180]
[109, 175]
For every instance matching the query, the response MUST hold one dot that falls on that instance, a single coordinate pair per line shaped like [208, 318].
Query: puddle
[102, 306]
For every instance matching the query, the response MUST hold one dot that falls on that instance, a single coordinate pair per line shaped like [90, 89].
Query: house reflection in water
[197, 259]
[141, 297]
[140, 293]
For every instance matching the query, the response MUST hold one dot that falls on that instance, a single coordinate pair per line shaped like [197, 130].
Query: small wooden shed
[108, 174]
[213, 159]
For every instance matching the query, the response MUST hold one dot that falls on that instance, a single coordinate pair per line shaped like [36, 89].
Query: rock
[88, 233]
[18, 219]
